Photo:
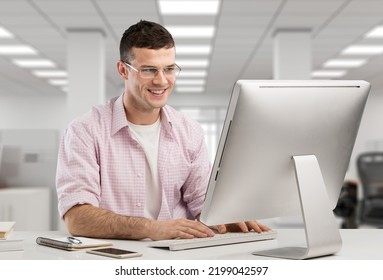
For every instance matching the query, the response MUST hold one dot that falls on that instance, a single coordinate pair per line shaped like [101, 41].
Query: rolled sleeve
[77, 176]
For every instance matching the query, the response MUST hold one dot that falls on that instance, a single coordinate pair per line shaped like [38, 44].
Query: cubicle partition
[27, 178]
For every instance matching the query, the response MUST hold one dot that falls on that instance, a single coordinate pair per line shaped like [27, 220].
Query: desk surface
[360, 244]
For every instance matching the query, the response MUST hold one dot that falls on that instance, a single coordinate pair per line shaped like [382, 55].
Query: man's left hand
[242, 226]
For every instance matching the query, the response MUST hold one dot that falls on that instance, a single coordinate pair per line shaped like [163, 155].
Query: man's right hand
[88, 220]
[180, 228]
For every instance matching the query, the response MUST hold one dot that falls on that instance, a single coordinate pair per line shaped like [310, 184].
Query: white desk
[358, 244]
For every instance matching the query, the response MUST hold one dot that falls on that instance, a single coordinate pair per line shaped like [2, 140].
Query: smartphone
[114, 253]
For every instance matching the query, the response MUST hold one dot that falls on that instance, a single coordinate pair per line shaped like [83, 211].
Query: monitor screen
[277, 135]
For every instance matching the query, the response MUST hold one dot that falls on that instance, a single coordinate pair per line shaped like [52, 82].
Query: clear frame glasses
[151, 72]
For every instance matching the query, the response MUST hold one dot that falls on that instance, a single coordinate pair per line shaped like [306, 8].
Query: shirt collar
[166, 119]
[119, 120]
[118, 115]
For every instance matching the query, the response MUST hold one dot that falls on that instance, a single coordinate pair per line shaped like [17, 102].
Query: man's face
[149, 94]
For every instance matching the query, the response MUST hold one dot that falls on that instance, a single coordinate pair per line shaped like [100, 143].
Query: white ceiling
[241, 48]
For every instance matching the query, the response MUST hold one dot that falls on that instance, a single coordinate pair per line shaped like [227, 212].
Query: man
[135, 168]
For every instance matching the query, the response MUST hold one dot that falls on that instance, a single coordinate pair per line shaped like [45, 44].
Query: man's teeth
[157, 91]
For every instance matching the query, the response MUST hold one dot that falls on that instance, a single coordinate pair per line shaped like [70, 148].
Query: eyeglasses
[151, 72]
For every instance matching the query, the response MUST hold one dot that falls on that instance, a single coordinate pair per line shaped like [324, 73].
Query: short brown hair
[144, 34]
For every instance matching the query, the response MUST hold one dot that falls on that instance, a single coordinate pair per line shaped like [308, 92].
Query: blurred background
[58, 58]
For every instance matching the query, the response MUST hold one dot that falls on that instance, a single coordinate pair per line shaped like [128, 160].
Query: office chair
[370, 169]
[347, 206]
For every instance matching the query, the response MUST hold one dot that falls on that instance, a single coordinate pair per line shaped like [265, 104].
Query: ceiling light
[193, 74]
[4, 33]
[349, 63]
[173, 7]
[58, 82]
[192, 62]
[195, 82]
[376, 32]
[364, 50]
[189, 89]
[16, 49]
[32, 63]
[328, 73]
[193, 49]
[191, 31]
[50, 73]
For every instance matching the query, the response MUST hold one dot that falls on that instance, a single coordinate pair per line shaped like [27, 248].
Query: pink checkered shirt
[101, 164]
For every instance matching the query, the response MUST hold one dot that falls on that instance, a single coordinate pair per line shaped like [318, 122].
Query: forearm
[90, 221]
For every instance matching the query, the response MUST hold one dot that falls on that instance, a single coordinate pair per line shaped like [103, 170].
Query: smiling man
[136, 168]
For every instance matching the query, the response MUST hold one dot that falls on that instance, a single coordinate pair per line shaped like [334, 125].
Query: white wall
[32, 112]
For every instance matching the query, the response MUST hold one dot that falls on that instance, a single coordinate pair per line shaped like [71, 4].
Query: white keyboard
[216, 240]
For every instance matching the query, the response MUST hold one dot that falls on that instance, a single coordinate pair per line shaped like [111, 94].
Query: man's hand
[243, 226]
[180, 228]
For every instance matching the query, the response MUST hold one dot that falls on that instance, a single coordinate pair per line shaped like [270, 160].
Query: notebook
[6, 229]
[11, 244]
[64, 244]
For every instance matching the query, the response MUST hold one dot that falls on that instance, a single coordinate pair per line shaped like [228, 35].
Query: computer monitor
[284, 150]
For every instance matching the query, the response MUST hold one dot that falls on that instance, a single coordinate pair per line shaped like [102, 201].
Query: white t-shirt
[148, 136]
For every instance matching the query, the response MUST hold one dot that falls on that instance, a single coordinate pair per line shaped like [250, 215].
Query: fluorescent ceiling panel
[17, 50]
[347, 63]
[191, 31]
[363, 50]
[176, 7]
[328, 73]
[193, 74]
[189, 89]
[4, 33]
[196, 63]
[377, 32]
[58, 82]
[32, 63]
[193, 49]
[193, 82]
[50, 73]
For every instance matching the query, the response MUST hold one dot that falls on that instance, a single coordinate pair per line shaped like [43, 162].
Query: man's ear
[122, 70]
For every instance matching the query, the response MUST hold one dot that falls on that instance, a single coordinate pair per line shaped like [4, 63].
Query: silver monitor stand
[322, 235]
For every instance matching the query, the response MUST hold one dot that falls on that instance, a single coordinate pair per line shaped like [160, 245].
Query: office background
[57, 59]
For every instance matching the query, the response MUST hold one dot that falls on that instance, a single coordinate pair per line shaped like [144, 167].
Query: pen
[74, 240]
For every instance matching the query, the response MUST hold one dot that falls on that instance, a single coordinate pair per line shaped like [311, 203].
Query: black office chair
[370, 169]
[347, 206]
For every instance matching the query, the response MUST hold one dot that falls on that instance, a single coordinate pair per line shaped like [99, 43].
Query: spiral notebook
[64, 244]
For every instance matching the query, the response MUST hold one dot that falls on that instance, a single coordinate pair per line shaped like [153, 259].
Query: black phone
[114, 253]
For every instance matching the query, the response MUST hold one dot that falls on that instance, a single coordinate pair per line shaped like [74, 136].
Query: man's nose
[160, 77]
